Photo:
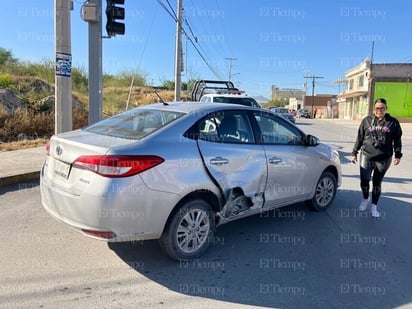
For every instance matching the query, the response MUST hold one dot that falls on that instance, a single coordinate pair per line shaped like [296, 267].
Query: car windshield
[135, 124]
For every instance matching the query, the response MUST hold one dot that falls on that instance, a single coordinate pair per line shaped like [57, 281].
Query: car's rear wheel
[324, 193]
[189, 230]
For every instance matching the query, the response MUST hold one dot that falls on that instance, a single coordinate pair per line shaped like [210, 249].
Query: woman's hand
[354, 159]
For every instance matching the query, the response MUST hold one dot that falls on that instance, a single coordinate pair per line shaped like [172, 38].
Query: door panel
[236, 165]
[292, 173]
[292, 166]
[230, 154]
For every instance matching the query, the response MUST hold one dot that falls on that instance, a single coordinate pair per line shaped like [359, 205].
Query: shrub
[30, 124]
[5, 80]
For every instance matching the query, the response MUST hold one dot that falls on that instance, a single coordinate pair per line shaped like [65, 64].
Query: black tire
[324, 193]
[188, 233]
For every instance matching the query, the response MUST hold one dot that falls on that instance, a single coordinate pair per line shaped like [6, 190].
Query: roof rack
[203, 86]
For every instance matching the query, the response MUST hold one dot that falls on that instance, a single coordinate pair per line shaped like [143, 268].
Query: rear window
[235, 100]
[134, 124]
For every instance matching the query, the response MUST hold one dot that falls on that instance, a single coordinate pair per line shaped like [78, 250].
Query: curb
[15, 179]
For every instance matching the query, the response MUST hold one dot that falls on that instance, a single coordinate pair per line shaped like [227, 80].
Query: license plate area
[62, 168]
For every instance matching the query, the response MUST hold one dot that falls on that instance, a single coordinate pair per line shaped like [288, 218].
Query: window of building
[361, 81]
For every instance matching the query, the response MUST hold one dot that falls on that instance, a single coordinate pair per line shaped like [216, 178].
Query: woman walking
[379, 138]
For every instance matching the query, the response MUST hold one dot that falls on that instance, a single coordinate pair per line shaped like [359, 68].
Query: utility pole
[230, 67]
[313, 77]
[178, 53]
[63, 73]
[305, 87]
[371, 83]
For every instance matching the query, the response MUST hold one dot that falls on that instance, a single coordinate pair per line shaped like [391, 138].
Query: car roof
[230, 95]
[194, 106]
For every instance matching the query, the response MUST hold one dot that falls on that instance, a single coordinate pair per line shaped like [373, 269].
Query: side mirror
[311, 140]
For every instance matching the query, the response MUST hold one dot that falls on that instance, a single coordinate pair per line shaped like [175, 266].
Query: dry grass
[23, 144]
[28, 129]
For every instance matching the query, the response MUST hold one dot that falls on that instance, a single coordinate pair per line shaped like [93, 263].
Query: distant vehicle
[303, 113]
[202, 87]
[284, 112]
[231, 99]
[121, 179]
[221, 91]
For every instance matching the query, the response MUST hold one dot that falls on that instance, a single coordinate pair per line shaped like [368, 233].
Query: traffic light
[114, 13]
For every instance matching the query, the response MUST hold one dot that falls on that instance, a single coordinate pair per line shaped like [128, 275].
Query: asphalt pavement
[294, 258]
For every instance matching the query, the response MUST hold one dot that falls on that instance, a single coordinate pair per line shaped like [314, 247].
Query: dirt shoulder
[22, 144]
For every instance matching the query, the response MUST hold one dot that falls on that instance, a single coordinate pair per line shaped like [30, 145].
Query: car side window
[226, 127]
[275, 131]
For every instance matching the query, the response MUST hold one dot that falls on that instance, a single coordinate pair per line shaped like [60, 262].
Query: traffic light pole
[95, 66]
[92, 13]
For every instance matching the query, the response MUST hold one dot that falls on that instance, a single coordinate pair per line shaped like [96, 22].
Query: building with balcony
[369, 81]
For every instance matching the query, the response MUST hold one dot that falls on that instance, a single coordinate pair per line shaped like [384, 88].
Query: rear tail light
[117, 166]
[47, 148]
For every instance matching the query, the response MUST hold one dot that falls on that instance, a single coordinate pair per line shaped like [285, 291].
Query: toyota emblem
[59, 150]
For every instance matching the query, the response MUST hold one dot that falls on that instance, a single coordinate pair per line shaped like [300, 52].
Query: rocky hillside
[27, 108]
[9, 101]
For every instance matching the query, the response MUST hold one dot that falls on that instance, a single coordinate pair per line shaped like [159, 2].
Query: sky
[259, 43]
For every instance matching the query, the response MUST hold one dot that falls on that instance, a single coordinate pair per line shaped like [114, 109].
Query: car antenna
[160, 98]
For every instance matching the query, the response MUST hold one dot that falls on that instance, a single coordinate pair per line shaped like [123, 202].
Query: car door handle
[219, 161]
[275, 160]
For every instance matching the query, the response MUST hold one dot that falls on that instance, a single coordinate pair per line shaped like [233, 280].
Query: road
[289, 258]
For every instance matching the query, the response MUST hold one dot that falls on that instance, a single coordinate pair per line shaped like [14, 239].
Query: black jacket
[378, 140]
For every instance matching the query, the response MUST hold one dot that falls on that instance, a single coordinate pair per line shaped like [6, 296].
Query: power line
[190, 29]
[171, 9]
[203, 58]
[195, 38]
[172, 13]
[210, 30]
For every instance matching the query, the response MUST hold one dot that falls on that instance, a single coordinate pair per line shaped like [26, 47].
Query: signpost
[63, 77]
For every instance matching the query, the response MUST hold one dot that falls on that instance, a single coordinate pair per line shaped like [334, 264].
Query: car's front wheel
[189, 231]
[324, 193]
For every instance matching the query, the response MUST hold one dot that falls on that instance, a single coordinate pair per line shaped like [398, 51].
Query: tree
[6, 57]
[189, 84]
[168, 84]
[277, 103]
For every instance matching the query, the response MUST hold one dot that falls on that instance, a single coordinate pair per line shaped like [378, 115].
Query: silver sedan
[176, 171]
